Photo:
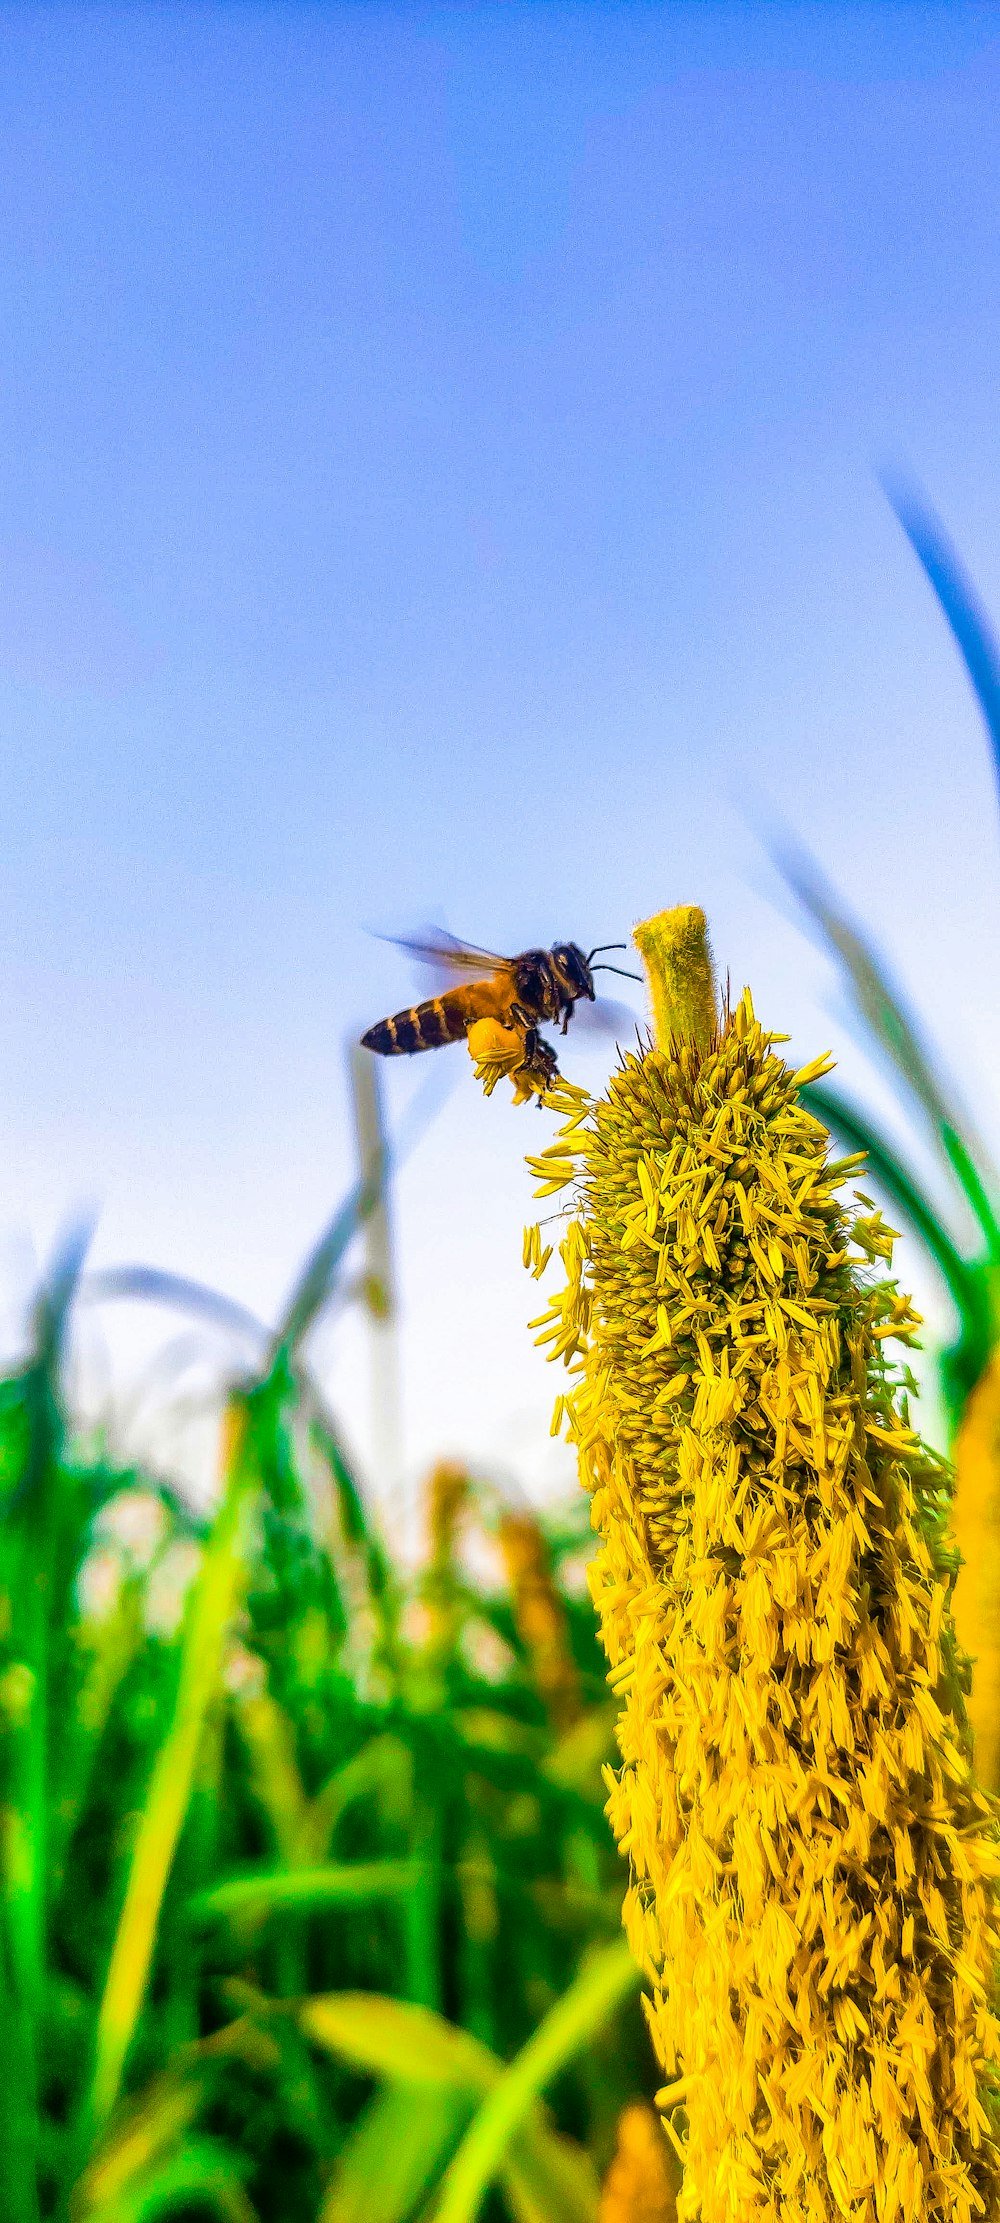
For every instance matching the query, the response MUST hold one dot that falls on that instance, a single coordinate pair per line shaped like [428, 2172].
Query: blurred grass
[306, 1905]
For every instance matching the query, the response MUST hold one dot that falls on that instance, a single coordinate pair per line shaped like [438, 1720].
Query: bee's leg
[540, 1057]
[517, 1016]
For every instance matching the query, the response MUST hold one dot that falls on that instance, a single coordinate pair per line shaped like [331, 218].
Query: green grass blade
[305, 1890]
[548, 2179]
[884, 1013]
[18, 2097]
[110, 1652]
[359, 1530]
[856, 1127]
[152, 2126]
[967, 1284]
[201, 2175]
[151, 1285]
[396, 2150]
[604, 1982]
[382, 1770]
[41, 1515]
[268, 1738]
[210, 1612]
[957, 596]
[397, 2040]
[319, 1275]
[421, 1910]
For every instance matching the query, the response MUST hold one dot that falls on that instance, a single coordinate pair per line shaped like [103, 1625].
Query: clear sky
[439, 482]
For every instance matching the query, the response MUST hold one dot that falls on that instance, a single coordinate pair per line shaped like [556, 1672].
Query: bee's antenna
[596, 951]
[622, 974]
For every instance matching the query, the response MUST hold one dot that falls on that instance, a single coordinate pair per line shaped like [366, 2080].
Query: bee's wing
[435, 947]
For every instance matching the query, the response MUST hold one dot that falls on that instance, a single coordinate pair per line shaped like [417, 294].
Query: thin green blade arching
[211, 1608]
[883, 1011]
[957, 596]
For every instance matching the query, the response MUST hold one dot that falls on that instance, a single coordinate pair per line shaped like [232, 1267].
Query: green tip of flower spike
[675, 951]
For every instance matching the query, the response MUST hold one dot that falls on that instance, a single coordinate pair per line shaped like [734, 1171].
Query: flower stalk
[813, 1868]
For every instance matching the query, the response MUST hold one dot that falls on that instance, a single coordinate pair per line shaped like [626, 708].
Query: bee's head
[574, 970]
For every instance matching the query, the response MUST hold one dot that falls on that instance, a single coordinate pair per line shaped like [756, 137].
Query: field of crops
[310, 1906]
[302, 1877]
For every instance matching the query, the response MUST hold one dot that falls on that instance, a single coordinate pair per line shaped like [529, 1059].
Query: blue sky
[439, 481]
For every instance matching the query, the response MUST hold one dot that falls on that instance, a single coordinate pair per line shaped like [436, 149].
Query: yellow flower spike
[814, 1870]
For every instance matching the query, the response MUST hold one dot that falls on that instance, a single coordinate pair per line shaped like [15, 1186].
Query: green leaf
[269, 1891]
[967, 1284]
[966, 616]
[268, 1737]
[395, 2153]
[44, 1518]
[318, 1278]
[105, 1653]
[359, 1531]
[550, 2179]
[55, 1297]
[203, 2173]
[395, 2039]
[605, 1980]
[884, 1013]
[152, 1285]
[382, 1769]
[151, 2127]
[211, 1607]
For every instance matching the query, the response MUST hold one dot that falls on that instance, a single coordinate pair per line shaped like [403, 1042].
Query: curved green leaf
[305, 1889]
[395, 2039]
[211, 1606]
[966, 616]
[203, 2173]
[884, 1013]
[151, 1285]
[602, 1984]
[319, 1273]
[395, 2152]
[967, 1283]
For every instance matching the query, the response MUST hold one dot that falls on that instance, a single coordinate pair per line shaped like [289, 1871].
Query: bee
[541, 986]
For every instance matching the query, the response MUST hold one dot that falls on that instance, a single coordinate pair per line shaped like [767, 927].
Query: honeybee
[541, 986]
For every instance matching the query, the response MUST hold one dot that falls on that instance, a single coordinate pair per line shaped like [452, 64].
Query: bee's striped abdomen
[427, 1026]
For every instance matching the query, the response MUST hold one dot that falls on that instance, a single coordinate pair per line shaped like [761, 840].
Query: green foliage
[304, 1908]
[969, 1270]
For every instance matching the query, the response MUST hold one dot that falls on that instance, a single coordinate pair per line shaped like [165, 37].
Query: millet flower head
[813, 1870]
